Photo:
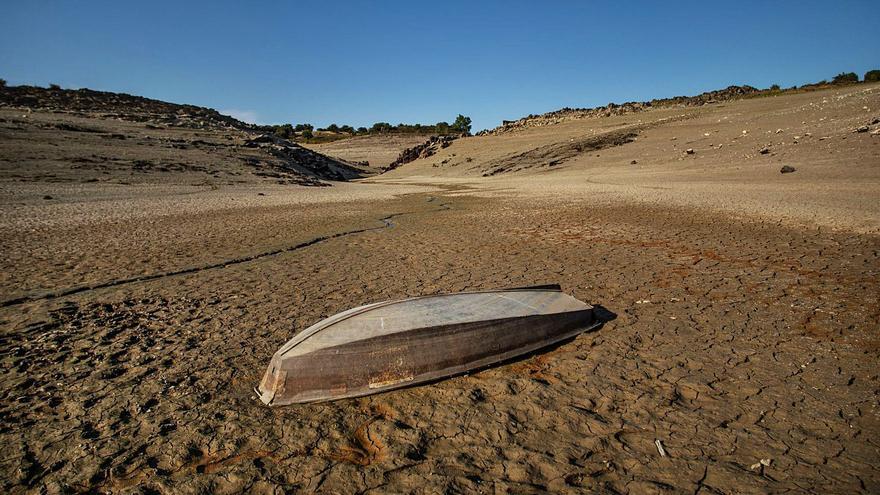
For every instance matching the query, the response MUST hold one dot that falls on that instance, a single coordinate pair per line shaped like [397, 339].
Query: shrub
[54, 87]
[442, 127]
[845, 77]
[381, 127]
[284, 131]
[362, 130]
[870, 76]
[2, 83]
[775, 87]
[307, 133]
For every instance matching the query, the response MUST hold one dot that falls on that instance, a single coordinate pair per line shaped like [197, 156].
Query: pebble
[787, 169]
[689, 151]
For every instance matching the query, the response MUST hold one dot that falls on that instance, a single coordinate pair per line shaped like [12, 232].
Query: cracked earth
[733, 342]
[138, 312]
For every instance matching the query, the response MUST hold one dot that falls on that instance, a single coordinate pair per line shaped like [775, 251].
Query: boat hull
[418, 355]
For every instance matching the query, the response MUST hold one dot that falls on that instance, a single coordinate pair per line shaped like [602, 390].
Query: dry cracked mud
[733, 342]
[739, 353]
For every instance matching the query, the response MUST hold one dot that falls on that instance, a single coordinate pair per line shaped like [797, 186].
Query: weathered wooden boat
[394, 344]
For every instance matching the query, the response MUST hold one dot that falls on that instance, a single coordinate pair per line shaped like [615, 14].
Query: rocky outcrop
[424, 150]
[294, 158]
[557, 153]
[565, 114]
[118, 106]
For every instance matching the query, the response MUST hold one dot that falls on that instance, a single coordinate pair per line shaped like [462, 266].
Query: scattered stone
[690, 151]
[121, 106]
[863, 128]
[761, 464]
[48, 197]
[787, 169]
[778, 131]
[301, 165]
[634, 162]
[612, 109]
[764, 150]
[424, 150]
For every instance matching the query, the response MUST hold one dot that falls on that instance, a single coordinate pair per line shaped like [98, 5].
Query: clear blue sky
[409, 61]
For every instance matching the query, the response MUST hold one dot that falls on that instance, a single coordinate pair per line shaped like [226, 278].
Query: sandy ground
[836, 183]
[743, 332]
[378, 150]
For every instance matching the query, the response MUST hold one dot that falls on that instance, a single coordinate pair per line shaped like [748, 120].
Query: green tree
[2, 83]
[380, 127]
[362, 130]
[872, 75]
[284, 131]
[441, 128]
[462, 124]
[307, 133]
[845, 77]
[775, 87]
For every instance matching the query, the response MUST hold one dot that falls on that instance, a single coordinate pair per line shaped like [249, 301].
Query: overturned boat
[394, 344]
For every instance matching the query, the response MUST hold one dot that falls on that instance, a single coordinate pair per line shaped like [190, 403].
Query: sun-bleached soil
[378, 150]
[137, 318]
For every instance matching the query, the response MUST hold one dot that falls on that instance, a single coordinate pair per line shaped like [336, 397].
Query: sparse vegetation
[284, 131]
[307, 132]
[845, 77]
[872, 75]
